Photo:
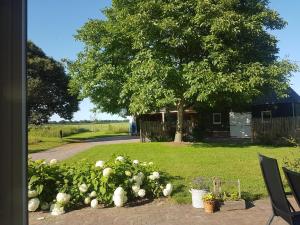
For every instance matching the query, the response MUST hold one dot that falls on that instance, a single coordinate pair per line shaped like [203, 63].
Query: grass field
[44, 137]
[183, 163]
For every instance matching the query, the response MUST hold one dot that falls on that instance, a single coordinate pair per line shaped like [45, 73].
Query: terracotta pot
[209, 206]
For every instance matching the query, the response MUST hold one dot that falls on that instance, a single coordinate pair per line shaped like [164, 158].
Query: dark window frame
[269, 118]
[13, 153]
[217, 122]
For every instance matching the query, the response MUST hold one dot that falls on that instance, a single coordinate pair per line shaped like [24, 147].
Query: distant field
[43, 137]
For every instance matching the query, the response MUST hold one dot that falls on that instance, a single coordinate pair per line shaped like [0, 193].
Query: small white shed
[240, 124]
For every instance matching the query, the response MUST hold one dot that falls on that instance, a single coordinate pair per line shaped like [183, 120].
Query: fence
[276, 128]
[159, 131]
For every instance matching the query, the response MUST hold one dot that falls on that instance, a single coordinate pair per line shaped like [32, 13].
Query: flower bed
[58, 187]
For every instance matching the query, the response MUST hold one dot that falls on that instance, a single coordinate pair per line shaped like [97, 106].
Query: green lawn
[208, 160]
[44, 143]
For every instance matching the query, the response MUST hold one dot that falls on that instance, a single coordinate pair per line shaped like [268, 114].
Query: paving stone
[159, 214]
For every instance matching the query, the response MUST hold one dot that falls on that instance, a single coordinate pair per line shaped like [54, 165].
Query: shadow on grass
[231, 144]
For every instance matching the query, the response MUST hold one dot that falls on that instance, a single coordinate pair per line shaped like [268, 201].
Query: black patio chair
[280, 205]
[293, 179]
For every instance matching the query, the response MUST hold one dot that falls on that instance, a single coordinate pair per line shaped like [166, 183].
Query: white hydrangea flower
[32, 193]
[135, 162]
[83, 188]
[142, 193]
[63, 198]
[107, 171]
[150, 163]
[87, 200]
[118, 201]
[33, 204]
[94, 203]
[119, 197]
[169, 187]
[128, 173]
[120, 159]
[135, 188]
[44, 206]
[100, 163]
[151, 177]
[57, 210]
[167, 192]
[93, 194]
[119, 191]
[156, 175]
[53, 161]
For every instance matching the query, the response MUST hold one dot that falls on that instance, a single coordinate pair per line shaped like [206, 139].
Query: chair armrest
[296, 214]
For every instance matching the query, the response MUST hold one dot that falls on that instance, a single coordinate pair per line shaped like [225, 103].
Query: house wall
[208, 128]
[297, 109]
[278, 110]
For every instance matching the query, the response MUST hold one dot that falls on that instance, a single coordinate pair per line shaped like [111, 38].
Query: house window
[266, 116]
[217, 118]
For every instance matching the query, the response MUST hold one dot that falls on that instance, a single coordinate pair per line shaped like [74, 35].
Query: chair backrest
[271, 175]
[293, 179]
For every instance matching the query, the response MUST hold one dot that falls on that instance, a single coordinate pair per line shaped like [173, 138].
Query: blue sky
[52, 24]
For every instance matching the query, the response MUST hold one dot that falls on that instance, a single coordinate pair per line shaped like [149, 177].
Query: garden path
[159, 213]
[68, 150]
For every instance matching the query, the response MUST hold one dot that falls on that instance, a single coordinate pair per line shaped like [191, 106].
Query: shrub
[117, 181]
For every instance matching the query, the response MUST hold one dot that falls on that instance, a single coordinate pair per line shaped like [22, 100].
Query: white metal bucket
[197, 196]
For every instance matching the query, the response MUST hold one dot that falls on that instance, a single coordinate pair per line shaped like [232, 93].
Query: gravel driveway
[68, 150]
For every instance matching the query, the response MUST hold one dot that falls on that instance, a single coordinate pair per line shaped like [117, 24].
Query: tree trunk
[179, 123]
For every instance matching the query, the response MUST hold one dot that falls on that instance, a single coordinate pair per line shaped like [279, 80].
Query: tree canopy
[47, 85]
[156, 53]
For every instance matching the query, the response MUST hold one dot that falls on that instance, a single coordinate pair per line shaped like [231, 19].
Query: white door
[240, 125]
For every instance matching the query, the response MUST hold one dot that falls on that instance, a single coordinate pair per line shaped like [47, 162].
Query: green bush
[104, 181]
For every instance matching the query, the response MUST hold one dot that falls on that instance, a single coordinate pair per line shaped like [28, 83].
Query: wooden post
[13, 129]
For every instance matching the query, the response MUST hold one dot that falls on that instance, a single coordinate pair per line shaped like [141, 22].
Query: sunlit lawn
[184, 162]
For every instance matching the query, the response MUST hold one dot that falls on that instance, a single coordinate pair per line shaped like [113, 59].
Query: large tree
[47, 85]
[150, 54]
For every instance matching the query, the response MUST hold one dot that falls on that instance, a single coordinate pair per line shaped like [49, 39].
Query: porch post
[13, 154]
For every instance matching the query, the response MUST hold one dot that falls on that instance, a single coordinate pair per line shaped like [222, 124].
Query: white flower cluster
[52, 162]
[89, 200]
[83, 188]
[61, 200]
[119, 197]
[107, 172]
[33, 204]
[100, 164]
[120, 159]
[154, 176]
[168, 190]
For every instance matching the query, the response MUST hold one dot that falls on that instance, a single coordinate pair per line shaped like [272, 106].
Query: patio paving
[159, 212]
[68, 150]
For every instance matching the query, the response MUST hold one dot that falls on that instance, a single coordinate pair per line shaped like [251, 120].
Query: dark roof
[272, 98]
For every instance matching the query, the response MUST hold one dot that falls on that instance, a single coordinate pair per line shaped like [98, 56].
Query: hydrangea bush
[57, 187]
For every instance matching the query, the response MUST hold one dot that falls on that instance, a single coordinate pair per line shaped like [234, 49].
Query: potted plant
[210, 202]
[199, 187]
